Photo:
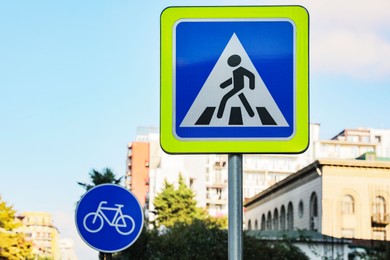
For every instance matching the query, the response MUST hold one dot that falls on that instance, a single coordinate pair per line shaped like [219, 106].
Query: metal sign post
[107, 256]
[235, 219]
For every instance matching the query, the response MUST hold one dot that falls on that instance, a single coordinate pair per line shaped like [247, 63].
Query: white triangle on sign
[211, 94]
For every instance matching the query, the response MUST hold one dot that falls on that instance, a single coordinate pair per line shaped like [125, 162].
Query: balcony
[380, 220]
[219, 164]
[216, 200]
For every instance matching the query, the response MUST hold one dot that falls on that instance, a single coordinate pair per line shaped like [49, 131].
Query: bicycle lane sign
[109, 218]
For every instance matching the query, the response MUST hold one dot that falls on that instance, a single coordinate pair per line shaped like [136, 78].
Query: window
[300, 209]
[256, 225]
[263, 222]
[379, 207]
[290, 216]
[353, 138]
[313, 205]
[283, 218]
[276, 220]
[249, 225]
[348, 205]
[314, 221]
[269, 221]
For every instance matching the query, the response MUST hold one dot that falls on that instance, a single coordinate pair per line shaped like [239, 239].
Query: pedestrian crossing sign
[234, 79]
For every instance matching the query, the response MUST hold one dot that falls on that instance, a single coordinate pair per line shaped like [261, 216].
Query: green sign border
[297, 143]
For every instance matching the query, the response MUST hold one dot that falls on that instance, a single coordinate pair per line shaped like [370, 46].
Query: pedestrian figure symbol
[238, 82]
[234, 94]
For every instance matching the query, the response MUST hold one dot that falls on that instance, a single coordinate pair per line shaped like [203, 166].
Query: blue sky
[78, 77]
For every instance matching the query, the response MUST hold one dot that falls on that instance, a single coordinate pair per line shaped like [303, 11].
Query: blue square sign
[233, 84]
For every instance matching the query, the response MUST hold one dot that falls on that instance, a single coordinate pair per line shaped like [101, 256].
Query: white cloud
[357, 54]
[350, 38]
[347, 37]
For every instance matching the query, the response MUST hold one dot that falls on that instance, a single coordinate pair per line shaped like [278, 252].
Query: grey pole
[235, 207]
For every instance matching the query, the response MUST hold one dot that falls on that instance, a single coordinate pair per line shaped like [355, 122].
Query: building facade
[137, 175]
[207, 175]
[39, 229]
[338, 198]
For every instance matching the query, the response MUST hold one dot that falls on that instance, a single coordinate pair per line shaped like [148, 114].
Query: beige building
[338, 198]
[39, 229]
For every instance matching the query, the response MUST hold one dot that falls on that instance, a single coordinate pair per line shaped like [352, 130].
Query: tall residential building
[137, 176]
[207, 174]
[38, 228]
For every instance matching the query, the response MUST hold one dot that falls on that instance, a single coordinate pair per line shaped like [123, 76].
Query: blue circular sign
[109, 218]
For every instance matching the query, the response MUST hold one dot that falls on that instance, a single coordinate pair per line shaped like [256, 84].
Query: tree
[97, 178]
[197, 240]
[176, 205]
[13, 245]
[204, 240]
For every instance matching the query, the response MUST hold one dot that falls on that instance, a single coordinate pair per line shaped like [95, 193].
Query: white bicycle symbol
[94, 221]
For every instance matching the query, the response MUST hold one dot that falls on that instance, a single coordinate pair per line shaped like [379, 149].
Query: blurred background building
[39, 229]
[148, 165]
[339, 198]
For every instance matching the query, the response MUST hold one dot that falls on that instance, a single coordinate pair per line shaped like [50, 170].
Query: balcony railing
[380, 219]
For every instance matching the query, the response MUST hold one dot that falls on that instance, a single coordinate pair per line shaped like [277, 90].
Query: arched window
[300, 209]
[249, 225]
[269, 221]
[314, 221]
[256, 226]
[379, 207]
[276, 220]
[290, 216]
[262, 222]
[282, 218]
[313, 205]
[348, 205]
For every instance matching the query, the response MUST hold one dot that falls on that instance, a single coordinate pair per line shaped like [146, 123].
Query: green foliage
[97, 178]
[7, 216]
[221, 222]
[203, 239]
[279, 249]
[184, 231]
[140, 248]
[197, 240]
[378, 250]
[12, 245]
[176, 205]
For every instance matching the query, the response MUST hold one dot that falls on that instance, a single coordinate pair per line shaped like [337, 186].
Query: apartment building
[137, 175]
[38, 228]
[207, 175]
